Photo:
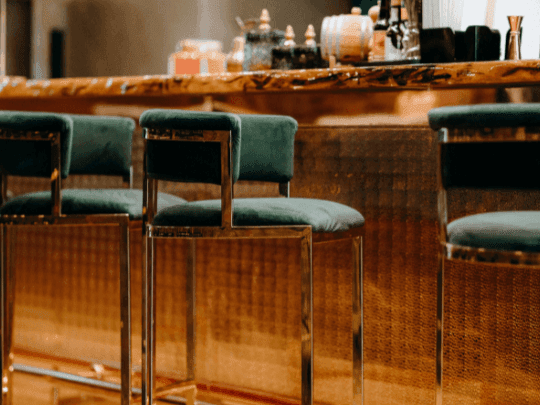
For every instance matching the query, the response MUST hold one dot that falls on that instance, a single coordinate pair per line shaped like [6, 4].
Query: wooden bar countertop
[371, 78]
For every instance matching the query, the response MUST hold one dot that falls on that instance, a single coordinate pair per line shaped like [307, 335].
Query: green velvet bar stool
[489, 146]
[55, 146]
[220, 148]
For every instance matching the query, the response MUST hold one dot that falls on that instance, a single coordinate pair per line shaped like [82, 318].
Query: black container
[258, 49]
[282, 57]
[478, 43]
[298, 57]
[437, 45]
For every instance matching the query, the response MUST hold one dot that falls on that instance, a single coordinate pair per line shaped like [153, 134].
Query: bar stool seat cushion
[504, 230]
[323, 216]
[86, 202]
[486, 116]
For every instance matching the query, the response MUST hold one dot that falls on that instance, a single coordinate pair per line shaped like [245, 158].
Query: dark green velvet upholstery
[84, 201]
[323, 216]
[96, 145]
[192, 120]
[486, 116]
[504, 230]
[101, 145]
[262, 147]
[190, 162]
[267, 151]
[33, 158]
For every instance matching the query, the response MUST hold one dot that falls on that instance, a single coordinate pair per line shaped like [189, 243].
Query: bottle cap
[289, 36]
[374, 12]
[265, 19]
[310, 36]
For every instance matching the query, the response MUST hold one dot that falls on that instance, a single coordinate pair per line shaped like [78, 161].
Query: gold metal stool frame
[7, 294]
[229, 231]
[449, 251]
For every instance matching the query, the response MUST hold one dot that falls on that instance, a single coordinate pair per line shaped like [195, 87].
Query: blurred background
[80, 38]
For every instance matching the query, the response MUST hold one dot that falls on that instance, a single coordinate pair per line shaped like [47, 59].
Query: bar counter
[248, 292]
[371, 78]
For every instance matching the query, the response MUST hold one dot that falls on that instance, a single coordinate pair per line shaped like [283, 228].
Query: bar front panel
[249, 291]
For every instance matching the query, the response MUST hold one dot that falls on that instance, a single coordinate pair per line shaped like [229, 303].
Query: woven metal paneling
[248, 291]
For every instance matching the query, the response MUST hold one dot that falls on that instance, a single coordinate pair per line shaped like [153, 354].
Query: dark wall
[365, 5]
[18, 38]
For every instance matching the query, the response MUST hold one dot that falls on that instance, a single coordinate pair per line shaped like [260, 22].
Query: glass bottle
[235, 59]
[393, 44]
[377, 53]
[259, 45]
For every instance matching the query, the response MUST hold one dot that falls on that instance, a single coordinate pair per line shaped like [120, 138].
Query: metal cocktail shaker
[513, 45]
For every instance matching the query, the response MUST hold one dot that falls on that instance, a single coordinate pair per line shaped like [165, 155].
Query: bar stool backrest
[101, 145]
[258, 152]
[267, 151]
[25, 144]
[489, 146]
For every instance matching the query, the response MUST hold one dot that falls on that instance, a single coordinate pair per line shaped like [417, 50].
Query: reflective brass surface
[514, 43]
[56, 218]
[448, 251]
[389, 175]
[515, 134]
[7, 301]
[358, 320]
[500, 257]
[191, 313]
[227, 230]
[306, 333]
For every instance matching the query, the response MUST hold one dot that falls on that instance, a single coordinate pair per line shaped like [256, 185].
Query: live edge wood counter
[248, 293]
[372, 78]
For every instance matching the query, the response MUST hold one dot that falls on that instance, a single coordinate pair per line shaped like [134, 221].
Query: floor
[38, 390]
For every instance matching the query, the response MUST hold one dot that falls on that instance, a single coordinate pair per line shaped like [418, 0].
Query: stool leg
[125, 313]
[191, 324]
[191, 310]
[307, 319]
[440, 330]
[358, 321]
[148, 324]
[3, 295]
[7, 301]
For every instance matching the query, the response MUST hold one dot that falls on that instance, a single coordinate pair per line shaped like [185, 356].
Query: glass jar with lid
[194, 56]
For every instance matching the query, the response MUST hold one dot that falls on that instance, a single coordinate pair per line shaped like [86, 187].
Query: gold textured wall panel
[248, 291]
